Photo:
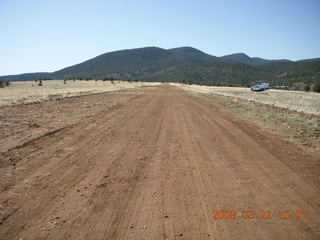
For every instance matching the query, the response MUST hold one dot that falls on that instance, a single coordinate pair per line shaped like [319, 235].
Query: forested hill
[185, 64]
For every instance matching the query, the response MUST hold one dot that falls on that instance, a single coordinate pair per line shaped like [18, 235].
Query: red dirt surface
[22, 123]
[156, 167]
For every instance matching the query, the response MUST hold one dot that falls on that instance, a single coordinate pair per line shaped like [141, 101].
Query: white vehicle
[260, 87]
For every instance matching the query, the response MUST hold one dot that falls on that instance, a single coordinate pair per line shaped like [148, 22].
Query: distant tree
[65, 81]
[4, 84]
[297, 86]
[40, 83]
[316, 87]
[307, 87]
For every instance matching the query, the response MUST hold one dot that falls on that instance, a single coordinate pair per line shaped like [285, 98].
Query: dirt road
[156, 168]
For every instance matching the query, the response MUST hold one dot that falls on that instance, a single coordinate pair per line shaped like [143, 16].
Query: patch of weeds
[270, 222]
[15, 170]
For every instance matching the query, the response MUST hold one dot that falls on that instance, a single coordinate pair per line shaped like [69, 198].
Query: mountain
[186, 64]
[194, 54]
[25, 76]
[240, 57]
[243, 58]
[134, 63]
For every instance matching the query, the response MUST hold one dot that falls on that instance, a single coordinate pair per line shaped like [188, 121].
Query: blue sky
[43, 35]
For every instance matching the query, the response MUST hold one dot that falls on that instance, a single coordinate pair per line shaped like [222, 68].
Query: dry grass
[307, 102]
[29, 91]
[298, 127]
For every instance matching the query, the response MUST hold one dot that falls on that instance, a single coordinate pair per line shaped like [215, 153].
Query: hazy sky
[43, 35]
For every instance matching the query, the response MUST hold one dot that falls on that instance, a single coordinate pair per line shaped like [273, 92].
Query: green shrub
[307, 87]
[297, 86]
[316, 87]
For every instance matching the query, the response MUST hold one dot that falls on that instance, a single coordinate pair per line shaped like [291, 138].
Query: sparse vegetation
[298, 101]
[28, 91]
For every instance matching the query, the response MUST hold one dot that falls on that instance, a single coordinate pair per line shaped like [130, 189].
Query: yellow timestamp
[259, 214]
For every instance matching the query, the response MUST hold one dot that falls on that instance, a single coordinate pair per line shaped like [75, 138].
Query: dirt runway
[157, 167]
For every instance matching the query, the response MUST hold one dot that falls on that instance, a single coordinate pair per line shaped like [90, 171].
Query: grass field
[29, 91]
[307, 102]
